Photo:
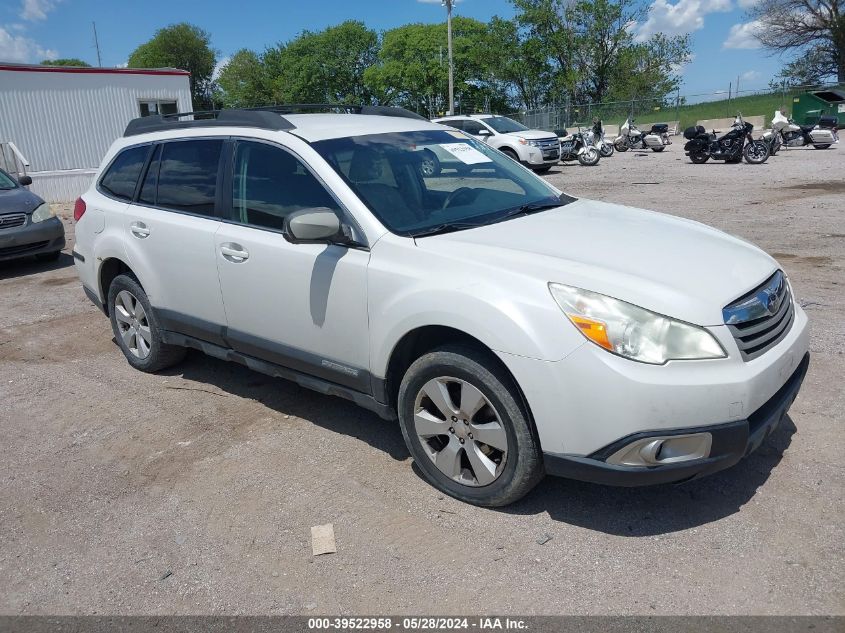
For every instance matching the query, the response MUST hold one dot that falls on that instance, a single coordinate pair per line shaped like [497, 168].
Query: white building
[61, 120]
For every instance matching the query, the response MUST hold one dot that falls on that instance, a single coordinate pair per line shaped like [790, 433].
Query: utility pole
[97, 44]
[448, 4]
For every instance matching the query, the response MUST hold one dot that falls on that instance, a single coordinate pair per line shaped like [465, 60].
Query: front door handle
[235, 253]
[139, 230]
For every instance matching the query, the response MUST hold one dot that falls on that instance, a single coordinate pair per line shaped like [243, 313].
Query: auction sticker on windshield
[466, 153]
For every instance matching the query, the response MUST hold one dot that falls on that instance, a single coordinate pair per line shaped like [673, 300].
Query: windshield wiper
[446, 227]
[532, 207]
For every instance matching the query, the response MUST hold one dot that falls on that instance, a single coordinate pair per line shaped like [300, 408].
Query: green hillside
[751, 105]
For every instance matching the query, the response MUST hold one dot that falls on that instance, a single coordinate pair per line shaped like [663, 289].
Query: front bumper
[730, 443]
[538, 157]
[31, 239]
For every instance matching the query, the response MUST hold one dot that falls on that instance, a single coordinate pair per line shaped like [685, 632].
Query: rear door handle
[139, 230]
[235, 253]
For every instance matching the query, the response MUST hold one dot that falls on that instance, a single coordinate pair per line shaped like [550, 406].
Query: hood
[669, 265]
[19, 200]
[533, 135]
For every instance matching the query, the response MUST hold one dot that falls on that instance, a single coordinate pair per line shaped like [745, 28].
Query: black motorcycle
[576, 147]
[731, 148]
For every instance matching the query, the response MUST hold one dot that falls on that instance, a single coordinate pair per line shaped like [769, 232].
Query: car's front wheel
[466, 428]
[136, 328]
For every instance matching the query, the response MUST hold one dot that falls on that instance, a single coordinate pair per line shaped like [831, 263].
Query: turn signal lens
[596, 331]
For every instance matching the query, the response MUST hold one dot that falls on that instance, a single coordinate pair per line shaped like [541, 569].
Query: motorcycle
[786, 133]
[731, 148]
[604, 146]
[630, 137]
[577, 147]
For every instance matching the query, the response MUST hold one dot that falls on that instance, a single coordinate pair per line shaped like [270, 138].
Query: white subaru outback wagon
[512, 329]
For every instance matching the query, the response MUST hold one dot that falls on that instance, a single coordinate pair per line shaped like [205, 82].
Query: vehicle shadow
[662, 509]
[13, 268]
[636, 512]
[288, 398]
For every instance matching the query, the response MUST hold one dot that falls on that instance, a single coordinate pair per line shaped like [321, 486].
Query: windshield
[503, 124]
[425, 182]
[6, 181]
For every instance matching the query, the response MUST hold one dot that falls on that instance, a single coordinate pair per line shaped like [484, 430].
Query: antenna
[97, 44]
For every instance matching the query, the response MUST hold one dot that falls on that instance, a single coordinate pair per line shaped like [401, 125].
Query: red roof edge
[37, 68]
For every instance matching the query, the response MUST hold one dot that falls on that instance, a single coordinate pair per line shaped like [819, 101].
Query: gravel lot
[193, 491]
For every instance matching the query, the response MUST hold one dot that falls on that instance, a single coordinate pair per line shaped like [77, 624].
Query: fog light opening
[656, 451]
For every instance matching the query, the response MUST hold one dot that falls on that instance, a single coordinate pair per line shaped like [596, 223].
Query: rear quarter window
[121, 176]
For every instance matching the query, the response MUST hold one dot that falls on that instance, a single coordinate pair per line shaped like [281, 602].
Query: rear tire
[657, 149]
[822, 146]
[589, 157]
[620, 146]
[136, 327]
[498, 466]
[699, 158]
[607, 150]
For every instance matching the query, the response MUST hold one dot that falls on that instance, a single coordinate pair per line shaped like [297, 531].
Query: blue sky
[31, 30]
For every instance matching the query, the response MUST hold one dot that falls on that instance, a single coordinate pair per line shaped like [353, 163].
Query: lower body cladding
[32, 239]
[605, 419]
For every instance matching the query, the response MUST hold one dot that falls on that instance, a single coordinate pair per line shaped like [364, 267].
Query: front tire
[464, 424]
[589, 157]
[430, 165]
[756, 153]
[136, 327]
[507, 151]
[542, 170]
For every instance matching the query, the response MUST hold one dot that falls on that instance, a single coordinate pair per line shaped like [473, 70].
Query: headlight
[42, 213]
[631, 331]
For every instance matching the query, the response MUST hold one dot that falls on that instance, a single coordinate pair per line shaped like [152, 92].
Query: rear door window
[121, 177]
[187, 176]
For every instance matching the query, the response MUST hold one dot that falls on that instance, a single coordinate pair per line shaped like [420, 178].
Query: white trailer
[56, 123]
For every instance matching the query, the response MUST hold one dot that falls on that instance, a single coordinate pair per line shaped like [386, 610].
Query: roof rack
[265, 117]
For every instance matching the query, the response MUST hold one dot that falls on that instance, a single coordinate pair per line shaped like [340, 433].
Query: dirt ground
[194, 490]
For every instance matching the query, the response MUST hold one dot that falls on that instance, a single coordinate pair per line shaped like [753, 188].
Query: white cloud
[17, 48]
[679, 68]
[221, 63]
[742, 36]
[37, 9]
[750, 75]
[685, 16]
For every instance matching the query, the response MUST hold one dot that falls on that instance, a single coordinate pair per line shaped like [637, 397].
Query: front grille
[760, 319]
[12, 220]
[21, 250]
[547, 144]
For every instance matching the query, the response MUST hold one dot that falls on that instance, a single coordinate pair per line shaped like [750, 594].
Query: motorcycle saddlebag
[691, 132]
[828, 121]
[660, 128]
[695, 145]
[822, 136]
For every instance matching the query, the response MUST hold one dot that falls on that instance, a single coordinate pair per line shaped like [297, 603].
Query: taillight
[78, 209]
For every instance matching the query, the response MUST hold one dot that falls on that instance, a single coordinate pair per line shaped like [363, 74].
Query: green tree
[594, 54]
[243, 82]
[182, 46]
[322, 67]
[413, 71]
[66, 61]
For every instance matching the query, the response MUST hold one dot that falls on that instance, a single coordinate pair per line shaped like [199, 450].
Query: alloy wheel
[132, 324]
[460, 431]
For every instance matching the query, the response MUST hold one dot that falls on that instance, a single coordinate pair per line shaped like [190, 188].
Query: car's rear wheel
[466, 428]
[136, 328]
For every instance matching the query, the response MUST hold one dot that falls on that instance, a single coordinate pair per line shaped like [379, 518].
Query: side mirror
[25, 181]
[319, 224]
[483, 132]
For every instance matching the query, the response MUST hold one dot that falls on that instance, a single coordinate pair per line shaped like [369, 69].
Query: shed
[809, 106]
[57, 122]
